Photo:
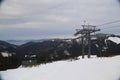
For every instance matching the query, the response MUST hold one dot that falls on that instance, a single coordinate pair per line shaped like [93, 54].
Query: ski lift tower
[85, 35]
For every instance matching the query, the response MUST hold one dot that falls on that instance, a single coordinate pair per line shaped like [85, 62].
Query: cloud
[1, 2]
[119, 0]
[50, 17]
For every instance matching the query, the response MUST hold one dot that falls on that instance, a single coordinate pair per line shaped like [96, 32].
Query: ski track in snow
[82, 69]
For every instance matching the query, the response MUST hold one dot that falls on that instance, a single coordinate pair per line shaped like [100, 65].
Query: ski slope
[82, 69]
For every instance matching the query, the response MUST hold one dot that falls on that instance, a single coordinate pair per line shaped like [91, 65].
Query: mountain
[7, 55]
[49, 49]
[103, 45]
[44, 51]
[21, 42]
[107, 45]
[5, 46]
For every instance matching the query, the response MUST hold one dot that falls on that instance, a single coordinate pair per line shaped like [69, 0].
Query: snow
[4, 54]
[66, 52]
[82, 69]
[114, 39]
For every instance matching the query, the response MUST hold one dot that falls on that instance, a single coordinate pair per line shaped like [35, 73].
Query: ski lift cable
[109, 23]
[111, 27]
[104, 24]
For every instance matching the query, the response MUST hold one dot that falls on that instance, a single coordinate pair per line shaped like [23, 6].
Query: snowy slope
[82, 69]
[114, 39]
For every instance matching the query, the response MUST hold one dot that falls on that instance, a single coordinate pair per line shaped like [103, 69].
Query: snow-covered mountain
[82, 69]
[115, 39]
[45, 51]
[104, 45]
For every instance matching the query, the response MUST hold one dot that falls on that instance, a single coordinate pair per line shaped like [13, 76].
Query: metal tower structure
[85, 35]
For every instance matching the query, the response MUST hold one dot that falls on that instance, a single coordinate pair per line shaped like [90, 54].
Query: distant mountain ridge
[20, 42]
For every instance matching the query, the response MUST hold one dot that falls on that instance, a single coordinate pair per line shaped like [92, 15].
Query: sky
[40, 19]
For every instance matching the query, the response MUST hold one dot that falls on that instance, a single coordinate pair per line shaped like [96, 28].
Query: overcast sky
[38, 19]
